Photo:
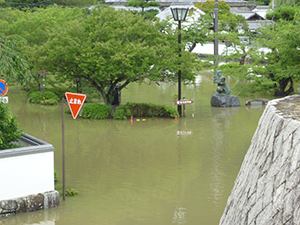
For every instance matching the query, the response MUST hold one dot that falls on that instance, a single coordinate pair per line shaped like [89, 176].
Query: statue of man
[223, 87]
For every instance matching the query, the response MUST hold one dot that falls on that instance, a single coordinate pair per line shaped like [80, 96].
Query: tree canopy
[283, 13]
[9, 132]
[142, 3]
[273, 61]
[228, 21]
[110, 49]
[13, 65]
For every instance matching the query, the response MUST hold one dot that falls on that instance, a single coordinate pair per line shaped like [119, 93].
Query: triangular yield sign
[75, 102]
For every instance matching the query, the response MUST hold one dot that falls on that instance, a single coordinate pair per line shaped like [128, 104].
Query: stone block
[8, 206]
[223, 100]
[51, 199]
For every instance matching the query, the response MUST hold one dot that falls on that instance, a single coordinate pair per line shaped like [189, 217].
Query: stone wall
[267, 188]
[29, 203]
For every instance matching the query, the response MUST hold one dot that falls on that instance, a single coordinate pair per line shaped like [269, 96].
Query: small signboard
[183, 102]
[75, 102]
[4, 99]
[3, 88]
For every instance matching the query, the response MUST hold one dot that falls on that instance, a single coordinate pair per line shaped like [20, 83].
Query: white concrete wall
[26, 174]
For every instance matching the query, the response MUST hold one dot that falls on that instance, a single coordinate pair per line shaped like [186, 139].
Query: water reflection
[41, 217]
[159, 171]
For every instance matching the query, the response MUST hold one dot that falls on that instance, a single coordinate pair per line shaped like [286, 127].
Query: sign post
[184, 102]
[75, 102]
[3, 91]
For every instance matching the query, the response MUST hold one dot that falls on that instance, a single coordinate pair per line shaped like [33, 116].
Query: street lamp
[77, 80]
[179, 12]
[215, 16]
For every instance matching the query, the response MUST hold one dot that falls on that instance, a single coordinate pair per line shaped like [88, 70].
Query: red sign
[3, 88]
[75, 102]
[183, 102]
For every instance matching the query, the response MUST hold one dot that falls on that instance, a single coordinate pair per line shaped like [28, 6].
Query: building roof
[248, 15]
[254, 25]
[165, 14]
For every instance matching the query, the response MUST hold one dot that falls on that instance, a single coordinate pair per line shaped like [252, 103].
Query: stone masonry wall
[267, 188]
[29, 203]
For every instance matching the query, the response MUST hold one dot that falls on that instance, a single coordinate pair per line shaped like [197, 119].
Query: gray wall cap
[34, 145]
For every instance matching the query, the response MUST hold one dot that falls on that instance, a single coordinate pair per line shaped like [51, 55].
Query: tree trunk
[243, 60]
[283, 83]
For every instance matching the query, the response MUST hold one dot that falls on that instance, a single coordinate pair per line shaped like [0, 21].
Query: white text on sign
[183, 102]
[75, 101]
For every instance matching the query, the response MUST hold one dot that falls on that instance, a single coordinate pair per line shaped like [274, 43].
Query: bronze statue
[223, 87]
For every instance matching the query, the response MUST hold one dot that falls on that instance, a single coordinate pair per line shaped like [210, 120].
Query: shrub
[144, 110]
[60, 92]
[37, 98]
[9, 132]
[95, 111]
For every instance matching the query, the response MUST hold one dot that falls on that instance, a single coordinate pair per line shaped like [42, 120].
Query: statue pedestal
[223, 100]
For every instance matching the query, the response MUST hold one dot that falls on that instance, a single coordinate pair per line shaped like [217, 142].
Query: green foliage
[37, 97]
[55, 178]
[69, 191]
[95, 111]
[150, 14]
[59, 187]
[13, 64]
[122, 113]
[142, 4]
[283, 12]
[144, 110]
[59, 91]
[209, 7]
[271, 63]
[110, 49]
[9, 129]
[227, 21]
[34, 26]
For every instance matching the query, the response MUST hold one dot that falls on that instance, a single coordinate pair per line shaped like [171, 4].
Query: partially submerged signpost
[75, 102]
[3, 91]
[184, 102]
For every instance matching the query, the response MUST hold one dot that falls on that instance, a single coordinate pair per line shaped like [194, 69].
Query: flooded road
[156, 172]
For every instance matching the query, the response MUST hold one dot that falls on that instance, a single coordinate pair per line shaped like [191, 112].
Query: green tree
[209, 7]
[21, 4]
[13, 65]
[111, 49]
[9, 132]
[273, 61]
[196, 30]
[33, 26]
[142, 4]
[283, 12]
[228, 21]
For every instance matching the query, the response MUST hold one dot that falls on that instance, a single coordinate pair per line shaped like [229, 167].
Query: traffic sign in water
[3, 88]
[75, 102]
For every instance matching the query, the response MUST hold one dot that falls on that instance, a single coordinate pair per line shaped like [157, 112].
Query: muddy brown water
[155, 172]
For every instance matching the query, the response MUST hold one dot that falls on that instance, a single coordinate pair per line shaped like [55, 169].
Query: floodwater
[155, 172]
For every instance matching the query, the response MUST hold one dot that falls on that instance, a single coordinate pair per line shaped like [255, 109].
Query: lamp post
[77, 80]
[215, 16]
[179, 12]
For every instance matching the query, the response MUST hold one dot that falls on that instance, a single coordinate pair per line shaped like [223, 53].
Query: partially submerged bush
[95, 111]
[144, 110]
[9, 129]
[37, 97]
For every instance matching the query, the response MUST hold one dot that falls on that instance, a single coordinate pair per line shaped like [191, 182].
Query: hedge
[144, 110]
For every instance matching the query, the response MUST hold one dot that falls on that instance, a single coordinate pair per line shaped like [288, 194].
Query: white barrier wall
[26, 171]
